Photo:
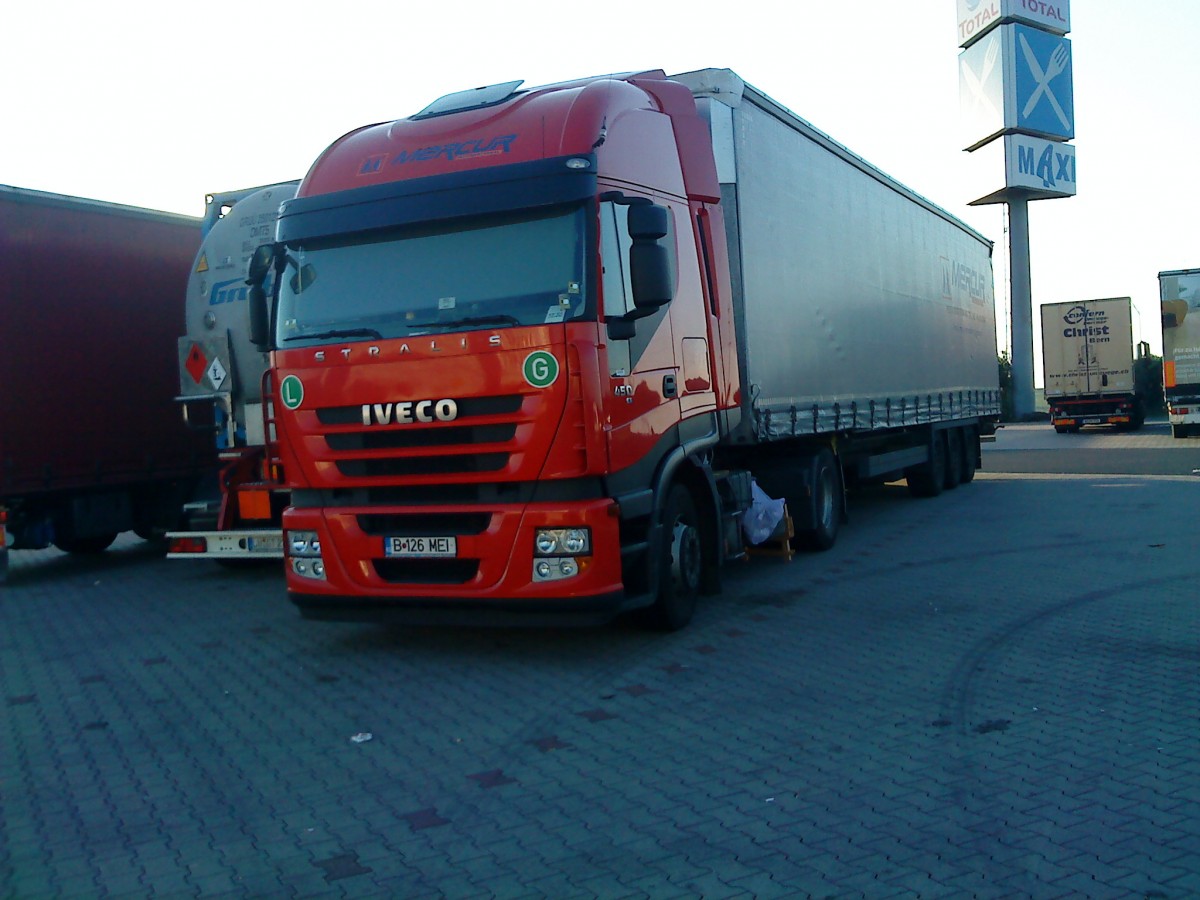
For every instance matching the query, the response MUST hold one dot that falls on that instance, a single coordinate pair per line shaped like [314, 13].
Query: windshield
[524, 269]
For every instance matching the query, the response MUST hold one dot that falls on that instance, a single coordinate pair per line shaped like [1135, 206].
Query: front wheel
[681, 562]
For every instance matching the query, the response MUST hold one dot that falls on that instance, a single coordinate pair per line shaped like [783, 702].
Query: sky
[157, 104]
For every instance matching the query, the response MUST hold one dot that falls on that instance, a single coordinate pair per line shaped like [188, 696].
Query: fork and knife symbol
[1055, 67]
[976, 82]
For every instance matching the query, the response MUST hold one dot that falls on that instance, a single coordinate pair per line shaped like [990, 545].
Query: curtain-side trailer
[90, 441]
[1179, 292]
[533, 347]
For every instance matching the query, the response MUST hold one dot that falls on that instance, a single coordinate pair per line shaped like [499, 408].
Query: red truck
[91, 443]
[533, 348]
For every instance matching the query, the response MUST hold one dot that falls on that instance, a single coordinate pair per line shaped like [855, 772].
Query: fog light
[542, 571]
[567, 568]
[309, 568]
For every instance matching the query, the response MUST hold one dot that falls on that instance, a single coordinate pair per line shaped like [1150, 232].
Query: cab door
[662, 373]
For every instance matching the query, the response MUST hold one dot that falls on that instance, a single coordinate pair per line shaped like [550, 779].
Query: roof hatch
[475, 98]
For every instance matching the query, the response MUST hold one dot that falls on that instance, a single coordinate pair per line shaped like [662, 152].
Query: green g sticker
[540, 369]
[291, 392]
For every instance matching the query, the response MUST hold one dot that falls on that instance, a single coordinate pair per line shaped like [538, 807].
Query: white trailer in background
[1087, 359]
[1179, 291]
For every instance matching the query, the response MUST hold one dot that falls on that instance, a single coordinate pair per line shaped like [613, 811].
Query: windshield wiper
[469, 320]
[337, 333]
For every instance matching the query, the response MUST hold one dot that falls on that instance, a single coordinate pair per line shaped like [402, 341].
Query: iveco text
[408, 412]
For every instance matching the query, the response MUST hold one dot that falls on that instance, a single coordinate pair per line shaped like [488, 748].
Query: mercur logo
[470, 149]
[959, 279]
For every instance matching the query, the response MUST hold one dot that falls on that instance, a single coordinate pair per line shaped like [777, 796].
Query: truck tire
[970, 454]
[929, 478]
[681, 562]
[954, 457]
[826, 501]
[84, 545]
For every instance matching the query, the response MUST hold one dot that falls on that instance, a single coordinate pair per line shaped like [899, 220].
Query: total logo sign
[977, 17]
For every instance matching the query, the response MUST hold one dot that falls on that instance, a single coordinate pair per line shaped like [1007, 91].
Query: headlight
[304, 543]
[556, 550]
[562, 541]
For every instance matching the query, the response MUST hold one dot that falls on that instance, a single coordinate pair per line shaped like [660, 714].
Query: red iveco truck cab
[531, 347]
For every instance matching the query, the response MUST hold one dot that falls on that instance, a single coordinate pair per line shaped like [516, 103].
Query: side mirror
[260, 264]
[649, 222]
[256, 273]
[260, 319]
[650, 275]
[651, 268]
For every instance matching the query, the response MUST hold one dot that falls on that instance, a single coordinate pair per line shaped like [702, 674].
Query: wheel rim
[825, 511]
[685, 558]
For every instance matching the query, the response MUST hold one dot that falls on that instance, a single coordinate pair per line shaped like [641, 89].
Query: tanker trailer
[224, 388]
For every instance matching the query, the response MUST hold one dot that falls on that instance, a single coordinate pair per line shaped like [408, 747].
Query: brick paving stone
[823, 702]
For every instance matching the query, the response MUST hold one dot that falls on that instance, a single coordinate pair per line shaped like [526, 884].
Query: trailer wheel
[954, 458]
[929, 478]
[970, 454]
[681, 562]
[826, 502]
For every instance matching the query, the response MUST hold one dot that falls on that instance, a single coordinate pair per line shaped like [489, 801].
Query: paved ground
[992, 693]
[1101, 451]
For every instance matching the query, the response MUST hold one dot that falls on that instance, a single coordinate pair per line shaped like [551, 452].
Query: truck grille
[432, 465]
[462, 448]
[426, 571]
[402, 525]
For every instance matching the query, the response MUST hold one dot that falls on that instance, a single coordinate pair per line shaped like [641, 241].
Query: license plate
[1094, 420]
[420, 546]
[269, 543]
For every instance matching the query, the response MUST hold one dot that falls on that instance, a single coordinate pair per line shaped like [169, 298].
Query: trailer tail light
[188, 544]
[1181, 410]
[3, 530]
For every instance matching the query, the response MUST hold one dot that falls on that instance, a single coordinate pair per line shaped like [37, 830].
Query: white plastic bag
[763, 517]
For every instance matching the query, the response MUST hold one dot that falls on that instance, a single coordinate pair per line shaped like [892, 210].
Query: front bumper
[540, 613]
[491, 569]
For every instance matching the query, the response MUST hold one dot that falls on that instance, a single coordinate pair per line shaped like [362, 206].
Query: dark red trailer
[91, 442]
